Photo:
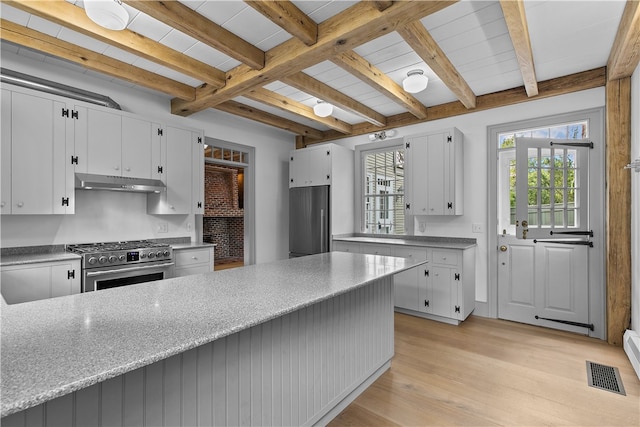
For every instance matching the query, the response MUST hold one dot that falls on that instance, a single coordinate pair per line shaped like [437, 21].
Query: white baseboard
[631, 341]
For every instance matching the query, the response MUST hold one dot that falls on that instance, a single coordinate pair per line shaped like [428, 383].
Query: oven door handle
[124, 270]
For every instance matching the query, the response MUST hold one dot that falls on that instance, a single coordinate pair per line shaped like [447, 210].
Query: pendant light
[109, 14]
[322, 109]
[415, 81]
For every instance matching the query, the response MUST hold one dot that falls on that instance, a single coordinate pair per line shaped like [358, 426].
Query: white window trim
[359, 183]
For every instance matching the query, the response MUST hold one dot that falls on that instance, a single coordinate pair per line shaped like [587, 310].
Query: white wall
[635, 203]
[104, 216]
[474, 127]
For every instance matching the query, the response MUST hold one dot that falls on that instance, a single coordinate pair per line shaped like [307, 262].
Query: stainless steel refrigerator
[308, 220]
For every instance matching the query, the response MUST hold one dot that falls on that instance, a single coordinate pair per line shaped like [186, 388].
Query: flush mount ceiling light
[415, 81]
[322, 109]
[109, 14]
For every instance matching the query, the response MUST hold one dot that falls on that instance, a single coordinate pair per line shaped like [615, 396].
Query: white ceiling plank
[179, 41]
[82, 40]
[14, 15]
[220, 11]
[149, 27]
[42, 25]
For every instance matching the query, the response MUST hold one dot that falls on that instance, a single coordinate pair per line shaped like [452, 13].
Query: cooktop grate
[605, 378]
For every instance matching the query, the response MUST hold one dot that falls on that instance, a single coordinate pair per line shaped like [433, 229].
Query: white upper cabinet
[112, 143]
[36, 176]
[310, 166]
[139, 137]
[434, 182]
[180, 150]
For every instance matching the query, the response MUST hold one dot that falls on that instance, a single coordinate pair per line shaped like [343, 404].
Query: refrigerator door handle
[321, 230]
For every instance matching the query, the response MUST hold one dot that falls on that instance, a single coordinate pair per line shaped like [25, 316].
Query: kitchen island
[289, 343]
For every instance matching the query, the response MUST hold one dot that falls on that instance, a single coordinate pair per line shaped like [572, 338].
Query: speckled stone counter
[34, 254]
[425, 241]
[53, 347]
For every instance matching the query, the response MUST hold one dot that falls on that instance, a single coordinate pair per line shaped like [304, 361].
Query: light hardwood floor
[493, 372]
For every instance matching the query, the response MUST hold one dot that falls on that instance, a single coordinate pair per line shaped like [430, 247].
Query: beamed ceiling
[270, 61]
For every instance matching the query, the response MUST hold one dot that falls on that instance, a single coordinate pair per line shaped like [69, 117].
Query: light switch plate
[476, 228]
[163, 227]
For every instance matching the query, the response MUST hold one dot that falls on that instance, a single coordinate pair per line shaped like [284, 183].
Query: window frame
[360, 179]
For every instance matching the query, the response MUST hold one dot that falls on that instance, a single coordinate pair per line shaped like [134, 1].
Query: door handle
[503, 248]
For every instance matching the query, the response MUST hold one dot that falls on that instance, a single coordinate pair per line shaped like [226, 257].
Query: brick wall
[221, 192]
[223, 222]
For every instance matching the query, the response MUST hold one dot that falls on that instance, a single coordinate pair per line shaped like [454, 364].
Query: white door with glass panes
[546, 235]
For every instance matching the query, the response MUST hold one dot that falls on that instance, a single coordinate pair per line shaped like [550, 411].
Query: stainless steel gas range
[115, 264]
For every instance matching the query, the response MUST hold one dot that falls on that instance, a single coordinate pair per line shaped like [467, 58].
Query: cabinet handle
[116, 168]
[194, 257]
[128, 169]
[171, 207]
[20, 204]
[444, 258]
[2, 204]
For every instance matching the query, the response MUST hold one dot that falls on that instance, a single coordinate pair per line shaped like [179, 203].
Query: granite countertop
[60, 345]
[425, 241]
[29, 258]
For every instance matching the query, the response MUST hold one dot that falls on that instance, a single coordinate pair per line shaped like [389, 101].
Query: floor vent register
[605, 378]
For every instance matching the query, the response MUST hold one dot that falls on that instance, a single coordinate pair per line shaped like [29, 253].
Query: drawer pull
[194, 257]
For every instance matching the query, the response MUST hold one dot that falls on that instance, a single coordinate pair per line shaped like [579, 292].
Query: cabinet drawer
[445, 257]
[191, 257]
[187, 271]
[346, 247]
[375, 249]
[411, 252]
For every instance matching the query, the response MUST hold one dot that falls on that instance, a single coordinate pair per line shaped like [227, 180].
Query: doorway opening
[228, 203]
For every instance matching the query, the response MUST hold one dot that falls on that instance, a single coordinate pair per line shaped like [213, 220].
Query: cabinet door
[416, 179]
[38, 136]
[26, 283]
[319, 166]
[5, 153]
[137, 142]
[297, 168]
[197, 168]
[104, 142]
[178, 177]
[437, 168]
[65, 279]
[441, 302]
[407, 284]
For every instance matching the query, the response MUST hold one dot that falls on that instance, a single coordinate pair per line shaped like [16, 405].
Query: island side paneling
[292, 370]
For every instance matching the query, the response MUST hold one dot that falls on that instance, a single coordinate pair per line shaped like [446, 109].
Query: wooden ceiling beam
[625, 53]
[190, 22]
[514, 15]
[559, 86]
[308, 84]
[44, 43]
[74, 18]
[417, 36]
[248, 112]
[287, 16]
[361, 68]
[351, 28]
[382, 5]
[291, 106]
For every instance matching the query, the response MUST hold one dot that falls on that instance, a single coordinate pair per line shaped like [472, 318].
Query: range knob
[158, 254]
[143, 255]
[165, 253]
[92, 260]
[102, 259]
[113, 258]
[121, 257]
[151, 254]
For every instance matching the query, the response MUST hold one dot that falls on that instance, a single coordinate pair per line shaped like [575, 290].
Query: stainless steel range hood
[86, 181]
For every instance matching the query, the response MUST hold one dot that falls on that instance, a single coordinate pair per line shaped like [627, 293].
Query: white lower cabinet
[443, 289]
[31, 282]
[193, 261]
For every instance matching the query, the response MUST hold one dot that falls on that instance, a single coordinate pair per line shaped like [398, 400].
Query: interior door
[543, 274]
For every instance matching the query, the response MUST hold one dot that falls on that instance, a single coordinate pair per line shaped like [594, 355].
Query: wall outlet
[476, 228]
[163, 227]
